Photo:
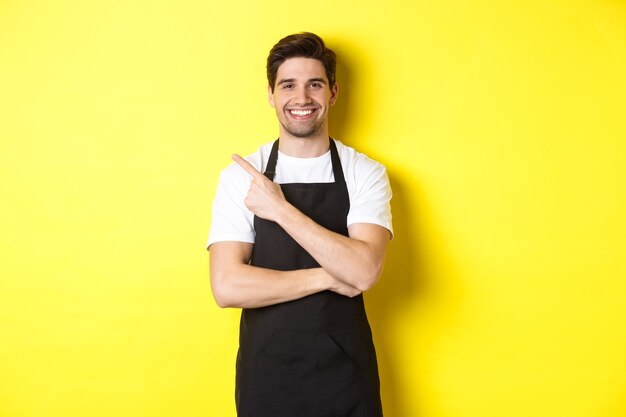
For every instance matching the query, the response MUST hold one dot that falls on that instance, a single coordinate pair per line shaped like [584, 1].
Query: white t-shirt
[366, 180]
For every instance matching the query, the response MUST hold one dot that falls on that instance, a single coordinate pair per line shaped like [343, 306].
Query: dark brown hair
[305, 45]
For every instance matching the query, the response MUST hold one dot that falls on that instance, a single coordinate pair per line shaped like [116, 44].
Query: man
[300, 230]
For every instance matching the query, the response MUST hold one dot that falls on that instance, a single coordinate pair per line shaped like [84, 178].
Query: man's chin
[302, 134]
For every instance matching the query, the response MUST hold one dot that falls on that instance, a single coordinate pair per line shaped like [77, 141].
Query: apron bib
[311, 357]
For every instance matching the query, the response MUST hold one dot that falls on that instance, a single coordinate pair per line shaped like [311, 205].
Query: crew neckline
[311, 161]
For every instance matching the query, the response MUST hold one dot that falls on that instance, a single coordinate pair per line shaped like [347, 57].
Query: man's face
[302, 97]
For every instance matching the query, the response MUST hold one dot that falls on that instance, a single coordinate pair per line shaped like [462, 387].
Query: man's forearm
[248, 286]
[355, 262]
[235, 283]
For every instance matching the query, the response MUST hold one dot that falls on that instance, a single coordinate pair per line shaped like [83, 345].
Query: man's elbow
[366, 284]
[222, 302]
[221, 293]
[369, 278]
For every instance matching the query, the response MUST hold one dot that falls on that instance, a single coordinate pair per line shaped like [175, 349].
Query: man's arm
[356, 260]
[235, 283]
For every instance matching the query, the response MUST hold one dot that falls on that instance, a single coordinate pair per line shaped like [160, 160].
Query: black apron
[311, 357]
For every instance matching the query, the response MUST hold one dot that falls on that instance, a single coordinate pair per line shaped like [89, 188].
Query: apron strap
[270, 169]
[334, 157]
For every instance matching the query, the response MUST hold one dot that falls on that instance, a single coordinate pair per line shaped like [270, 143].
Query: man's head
[300, 45]
[302, 87]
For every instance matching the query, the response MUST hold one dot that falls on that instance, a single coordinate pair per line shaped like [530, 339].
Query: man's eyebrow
[292, 80]
[286, 80]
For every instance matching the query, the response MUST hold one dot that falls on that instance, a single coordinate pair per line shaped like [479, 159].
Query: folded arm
[356, 260]
[236, 283]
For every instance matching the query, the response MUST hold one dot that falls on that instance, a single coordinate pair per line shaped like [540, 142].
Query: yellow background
[503, 127]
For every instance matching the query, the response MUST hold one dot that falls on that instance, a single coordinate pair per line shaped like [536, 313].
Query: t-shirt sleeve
[371, 201]
[231, 219]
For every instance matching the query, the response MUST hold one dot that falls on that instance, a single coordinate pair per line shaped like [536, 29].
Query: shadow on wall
[340, 119]
[402, 279]
[401, 282]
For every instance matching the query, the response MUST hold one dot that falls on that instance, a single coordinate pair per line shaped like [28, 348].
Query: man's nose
[302, 96]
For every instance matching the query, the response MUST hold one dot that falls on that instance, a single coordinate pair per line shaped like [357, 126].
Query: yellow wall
[503, 128]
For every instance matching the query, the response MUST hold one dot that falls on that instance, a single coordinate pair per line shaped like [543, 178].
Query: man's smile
[301, 114]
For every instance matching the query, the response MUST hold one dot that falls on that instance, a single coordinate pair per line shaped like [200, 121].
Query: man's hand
[265, 198]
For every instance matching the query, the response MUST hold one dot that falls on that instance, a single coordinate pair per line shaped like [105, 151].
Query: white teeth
[301, 112]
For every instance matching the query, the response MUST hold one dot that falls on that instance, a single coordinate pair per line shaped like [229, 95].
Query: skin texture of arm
[356, 260]
[235, 283]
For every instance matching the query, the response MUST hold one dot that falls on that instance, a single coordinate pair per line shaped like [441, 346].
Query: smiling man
[299, 231]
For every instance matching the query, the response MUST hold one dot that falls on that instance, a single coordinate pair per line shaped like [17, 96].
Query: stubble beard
[302, 130]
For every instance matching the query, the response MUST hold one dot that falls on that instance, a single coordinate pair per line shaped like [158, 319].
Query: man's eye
[316, 85]
[287, 85]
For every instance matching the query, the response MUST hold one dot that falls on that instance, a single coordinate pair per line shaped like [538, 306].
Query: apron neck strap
[270, 169]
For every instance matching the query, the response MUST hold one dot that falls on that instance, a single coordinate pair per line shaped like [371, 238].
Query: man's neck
[309, 147]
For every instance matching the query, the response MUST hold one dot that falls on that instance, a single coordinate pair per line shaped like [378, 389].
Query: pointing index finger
[247, 167]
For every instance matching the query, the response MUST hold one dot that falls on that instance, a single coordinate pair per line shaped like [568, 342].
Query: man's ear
[270, 97]
[334, 90]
